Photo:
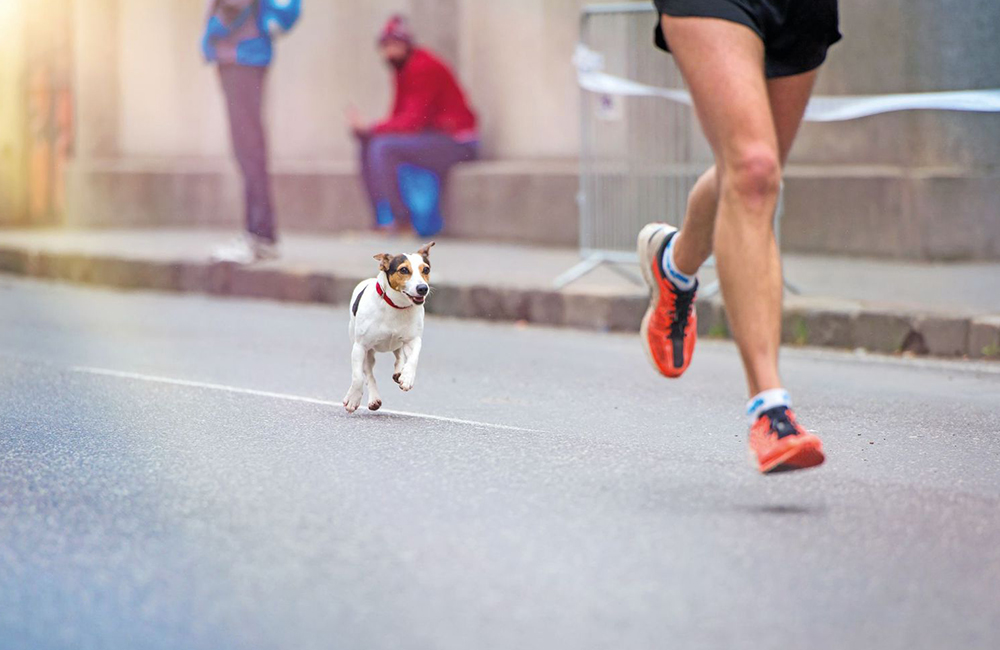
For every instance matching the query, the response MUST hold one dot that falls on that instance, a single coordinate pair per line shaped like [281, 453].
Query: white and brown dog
[387, 315]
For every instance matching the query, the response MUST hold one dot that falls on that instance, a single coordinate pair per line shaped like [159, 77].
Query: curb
[851, 327]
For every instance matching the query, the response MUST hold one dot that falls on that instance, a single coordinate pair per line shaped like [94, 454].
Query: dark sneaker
[780, 444]
[670, 326]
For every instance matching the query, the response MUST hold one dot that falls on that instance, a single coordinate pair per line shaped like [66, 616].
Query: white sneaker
[246, 249]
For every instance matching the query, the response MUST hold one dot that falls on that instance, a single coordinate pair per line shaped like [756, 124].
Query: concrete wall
[153, 140]
[13, 127]
[513, 57]
[150, 118]
[919, 184]
[170, 103]
[36, 110]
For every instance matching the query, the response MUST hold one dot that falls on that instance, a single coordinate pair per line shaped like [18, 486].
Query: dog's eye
[426, 270]
[404, 271]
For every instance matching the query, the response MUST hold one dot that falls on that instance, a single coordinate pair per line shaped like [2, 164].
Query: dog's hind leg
[374, 399]
[397, 370]
[353, 398]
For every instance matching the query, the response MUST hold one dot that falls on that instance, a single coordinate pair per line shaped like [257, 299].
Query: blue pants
[382, 155]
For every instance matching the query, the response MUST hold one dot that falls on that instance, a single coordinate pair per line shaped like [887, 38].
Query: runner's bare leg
[694, 241]
[739, 125]
[788, 97]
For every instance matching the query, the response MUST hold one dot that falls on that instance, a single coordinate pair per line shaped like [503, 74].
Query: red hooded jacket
[428, 98]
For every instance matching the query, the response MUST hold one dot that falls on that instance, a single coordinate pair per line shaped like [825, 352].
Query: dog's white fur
[379, 327]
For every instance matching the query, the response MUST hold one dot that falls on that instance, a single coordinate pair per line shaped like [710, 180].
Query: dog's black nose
[422, 289]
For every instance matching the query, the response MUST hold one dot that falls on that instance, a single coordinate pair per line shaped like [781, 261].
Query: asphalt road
[175, 472]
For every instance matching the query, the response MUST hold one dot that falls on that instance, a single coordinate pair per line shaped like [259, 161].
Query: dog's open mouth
[418, 300]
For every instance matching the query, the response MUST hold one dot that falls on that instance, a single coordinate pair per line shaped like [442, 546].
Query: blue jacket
[246, 38]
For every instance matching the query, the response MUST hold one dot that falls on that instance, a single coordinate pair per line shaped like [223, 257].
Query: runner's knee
[753, 176]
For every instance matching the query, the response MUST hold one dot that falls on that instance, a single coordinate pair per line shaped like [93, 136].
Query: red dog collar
[378, 289]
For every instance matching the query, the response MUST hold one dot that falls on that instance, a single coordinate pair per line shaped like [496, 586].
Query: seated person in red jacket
[431, 124]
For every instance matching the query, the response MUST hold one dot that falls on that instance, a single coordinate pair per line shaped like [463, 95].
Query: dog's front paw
[374, 405]
[352, 402]
[406, 380]
[396, 377]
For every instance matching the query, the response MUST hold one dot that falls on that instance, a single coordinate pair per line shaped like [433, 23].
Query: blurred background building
[109, 118]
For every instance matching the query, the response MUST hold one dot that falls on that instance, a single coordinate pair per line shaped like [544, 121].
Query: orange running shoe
[670, 326]
[780, 444]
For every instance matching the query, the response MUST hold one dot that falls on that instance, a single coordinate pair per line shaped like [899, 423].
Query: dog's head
[409, 274]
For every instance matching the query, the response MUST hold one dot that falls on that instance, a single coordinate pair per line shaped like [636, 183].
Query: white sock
[681, 281]
[766, 401]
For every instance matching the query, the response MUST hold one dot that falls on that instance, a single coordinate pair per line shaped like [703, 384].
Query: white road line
[281, 396]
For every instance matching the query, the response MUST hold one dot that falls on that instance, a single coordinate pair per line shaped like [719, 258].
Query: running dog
[387, 315]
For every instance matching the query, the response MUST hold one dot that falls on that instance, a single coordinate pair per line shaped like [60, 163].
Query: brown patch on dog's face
[424, 269]
[425, 266]
[399, 272]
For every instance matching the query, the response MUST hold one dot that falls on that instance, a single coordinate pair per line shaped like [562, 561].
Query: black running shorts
[796, 33]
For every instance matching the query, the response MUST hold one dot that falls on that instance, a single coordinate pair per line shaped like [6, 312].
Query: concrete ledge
[816, 322]
[984, 337]
[893, 212]
[874, 210]
[526, 202]
[520, 202]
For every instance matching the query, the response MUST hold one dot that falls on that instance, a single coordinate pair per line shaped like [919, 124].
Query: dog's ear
[383, 261]
[426, 250]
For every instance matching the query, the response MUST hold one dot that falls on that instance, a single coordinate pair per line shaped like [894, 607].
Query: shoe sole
[796, 458]
[646, 266]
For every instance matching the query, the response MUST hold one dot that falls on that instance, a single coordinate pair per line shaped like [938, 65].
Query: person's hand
[274, 28]
[356, 122]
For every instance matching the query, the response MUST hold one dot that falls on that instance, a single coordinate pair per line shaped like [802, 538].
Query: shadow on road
[781, 510]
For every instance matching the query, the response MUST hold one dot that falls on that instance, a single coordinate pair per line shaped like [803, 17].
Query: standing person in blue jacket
[239, 38]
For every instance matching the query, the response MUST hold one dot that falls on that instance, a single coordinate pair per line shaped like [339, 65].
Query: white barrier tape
[820, 109]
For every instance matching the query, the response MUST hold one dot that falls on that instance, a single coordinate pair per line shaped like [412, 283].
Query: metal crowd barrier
[639, 156]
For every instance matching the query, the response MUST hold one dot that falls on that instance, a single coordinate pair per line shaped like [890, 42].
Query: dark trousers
[243, 87]
[382, 155]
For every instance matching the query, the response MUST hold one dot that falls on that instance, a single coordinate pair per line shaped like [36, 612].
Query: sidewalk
[884, 306]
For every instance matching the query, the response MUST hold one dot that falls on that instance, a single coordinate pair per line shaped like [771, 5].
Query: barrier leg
[615, 262]
[625, 273]
[582, 268]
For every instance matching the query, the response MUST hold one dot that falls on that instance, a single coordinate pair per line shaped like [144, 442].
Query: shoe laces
[783, 422]
[681, 313]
